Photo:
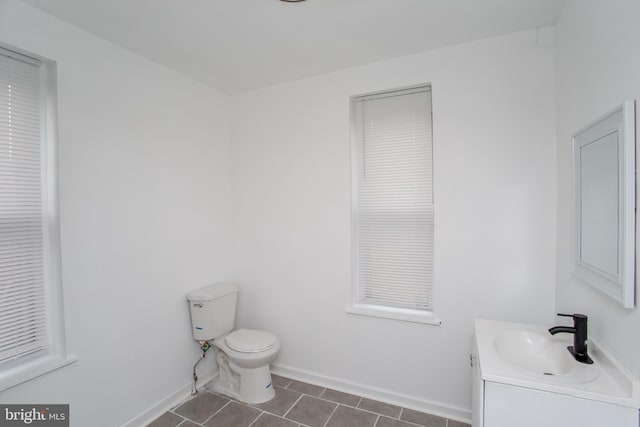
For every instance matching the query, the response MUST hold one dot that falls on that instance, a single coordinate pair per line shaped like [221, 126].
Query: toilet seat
[250, 340]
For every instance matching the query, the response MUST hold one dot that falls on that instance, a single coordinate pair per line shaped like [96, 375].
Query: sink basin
[539, 354]
[523, 355]
[533, 352]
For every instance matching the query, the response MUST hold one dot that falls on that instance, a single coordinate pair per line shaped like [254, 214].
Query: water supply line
[204, 346]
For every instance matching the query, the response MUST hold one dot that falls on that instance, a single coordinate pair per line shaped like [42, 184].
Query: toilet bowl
[243, 358]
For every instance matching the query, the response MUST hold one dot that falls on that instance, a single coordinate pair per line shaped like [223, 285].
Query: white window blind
[23, 326]
[393, 199]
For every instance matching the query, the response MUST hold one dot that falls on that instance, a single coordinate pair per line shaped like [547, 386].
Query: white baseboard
[394, 398]
[170, 401]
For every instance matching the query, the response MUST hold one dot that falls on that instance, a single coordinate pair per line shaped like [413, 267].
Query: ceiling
[240, 45]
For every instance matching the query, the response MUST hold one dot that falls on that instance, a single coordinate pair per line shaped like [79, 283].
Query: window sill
[27, 371]
[402, 314]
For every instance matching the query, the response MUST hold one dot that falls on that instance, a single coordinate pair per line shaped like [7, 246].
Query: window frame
[354, 306]
[28, 367]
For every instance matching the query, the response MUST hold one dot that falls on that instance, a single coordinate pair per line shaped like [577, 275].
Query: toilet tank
[213, 310]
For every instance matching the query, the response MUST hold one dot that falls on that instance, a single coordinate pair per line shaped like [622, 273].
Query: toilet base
[246, 385]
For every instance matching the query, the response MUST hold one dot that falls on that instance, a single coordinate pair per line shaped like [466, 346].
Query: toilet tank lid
[212, 292]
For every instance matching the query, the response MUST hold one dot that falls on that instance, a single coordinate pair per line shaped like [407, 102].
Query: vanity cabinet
[477, 398]
[603, 394]
[502, 405]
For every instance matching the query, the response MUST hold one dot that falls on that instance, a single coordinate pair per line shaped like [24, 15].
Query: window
[31, 329]
[393, 205]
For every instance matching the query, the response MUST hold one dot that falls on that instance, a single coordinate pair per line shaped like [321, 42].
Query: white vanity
[525, 377]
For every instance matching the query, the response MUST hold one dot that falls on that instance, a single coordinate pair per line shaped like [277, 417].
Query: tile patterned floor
[296, 404]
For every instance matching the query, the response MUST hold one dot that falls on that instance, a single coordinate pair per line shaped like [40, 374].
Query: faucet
[579, 330]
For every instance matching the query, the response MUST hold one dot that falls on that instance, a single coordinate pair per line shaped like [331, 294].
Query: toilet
[243, 355]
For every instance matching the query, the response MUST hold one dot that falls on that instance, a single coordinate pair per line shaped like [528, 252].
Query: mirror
[604, 204]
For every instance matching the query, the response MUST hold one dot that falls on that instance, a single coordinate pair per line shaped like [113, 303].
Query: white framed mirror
[604, 204]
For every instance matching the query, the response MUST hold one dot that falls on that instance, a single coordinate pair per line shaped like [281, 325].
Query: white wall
[145, 217]
[598, 68]
[495, 178]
